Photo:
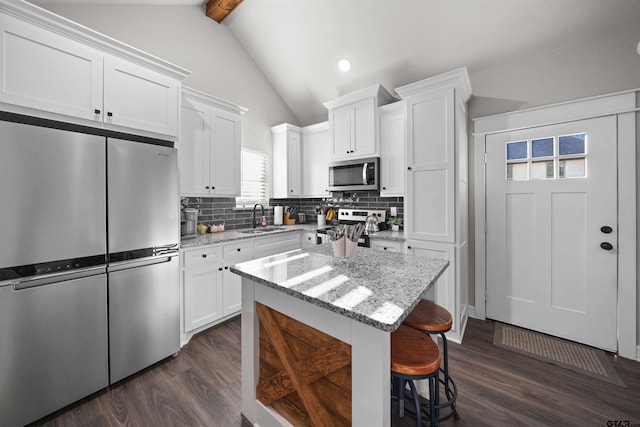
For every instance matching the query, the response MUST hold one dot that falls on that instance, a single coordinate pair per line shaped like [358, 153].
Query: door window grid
[553, 157]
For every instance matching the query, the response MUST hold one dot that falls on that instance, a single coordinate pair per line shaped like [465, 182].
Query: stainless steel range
[357, 216]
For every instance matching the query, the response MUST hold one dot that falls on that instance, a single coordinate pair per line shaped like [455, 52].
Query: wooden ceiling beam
[220, 9]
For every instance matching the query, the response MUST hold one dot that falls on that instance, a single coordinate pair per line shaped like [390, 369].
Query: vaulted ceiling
[297, 43]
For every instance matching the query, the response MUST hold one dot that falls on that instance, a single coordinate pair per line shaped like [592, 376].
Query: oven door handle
[364, 173]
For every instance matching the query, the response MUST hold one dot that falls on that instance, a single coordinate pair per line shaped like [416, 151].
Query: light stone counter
[374, 287]
[230, 235]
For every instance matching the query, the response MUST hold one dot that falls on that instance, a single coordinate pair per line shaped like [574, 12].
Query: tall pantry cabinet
[436, 202]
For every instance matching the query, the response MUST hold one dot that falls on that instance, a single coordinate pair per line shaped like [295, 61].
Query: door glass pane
[516, 150]
[571, 144]
[572, 168]
[542, 170]
[542, 147]
[517, 171]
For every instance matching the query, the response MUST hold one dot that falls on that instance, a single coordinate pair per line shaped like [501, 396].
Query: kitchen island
[316, 333]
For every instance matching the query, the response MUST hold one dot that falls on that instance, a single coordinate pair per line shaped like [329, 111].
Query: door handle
[364, 173]
[606, 246]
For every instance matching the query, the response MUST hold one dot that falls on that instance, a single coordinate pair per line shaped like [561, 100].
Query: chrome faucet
[254, 213]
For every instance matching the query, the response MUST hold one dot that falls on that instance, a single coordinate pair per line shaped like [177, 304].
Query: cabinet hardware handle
[606, 246]
[409, 168]
[606, 229]
[291, 191]
[347, 151]
[109, 113]
[384, 188]
[96, 111]
[409, 247]
[220, 269]
[226, 268]
[207, 187]
[351, 151]
[213, 188]
[204, 255]
[238, 249]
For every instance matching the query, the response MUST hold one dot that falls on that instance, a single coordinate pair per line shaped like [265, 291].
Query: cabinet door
[431, 167]
[340, 132]
[386, 245]
[202, 280]
[47, 72]
[444, 289]
[232, 283]
[392, 149]
[286, 151]
[294, 155]
[363, 137]
[139, 98]
[202, 295]
[315, 164]
[193, 149]
[224, 158]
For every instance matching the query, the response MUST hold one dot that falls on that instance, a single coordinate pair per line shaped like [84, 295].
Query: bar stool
[415, 356]
[432, 318]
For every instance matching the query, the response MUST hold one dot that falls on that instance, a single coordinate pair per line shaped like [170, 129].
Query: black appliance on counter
[351, 216]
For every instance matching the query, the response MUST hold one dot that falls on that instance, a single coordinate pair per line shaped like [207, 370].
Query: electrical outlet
[394, 211]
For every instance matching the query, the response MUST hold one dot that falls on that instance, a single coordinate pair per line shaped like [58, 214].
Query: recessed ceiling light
[344, 65]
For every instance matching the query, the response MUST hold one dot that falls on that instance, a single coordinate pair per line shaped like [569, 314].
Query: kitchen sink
[260, 230]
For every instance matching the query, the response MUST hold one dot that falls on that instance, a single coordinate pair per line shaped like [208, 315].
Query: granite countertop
[230, 235]
[389, 235]
[377, 288]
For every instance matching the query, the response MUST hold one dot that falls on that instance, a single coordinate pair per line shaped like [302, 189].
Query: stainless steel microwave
[354, 175]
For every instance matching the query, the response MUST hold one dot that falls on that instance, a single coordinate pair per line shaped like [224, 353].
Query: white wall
[594, 67]
[185, 36]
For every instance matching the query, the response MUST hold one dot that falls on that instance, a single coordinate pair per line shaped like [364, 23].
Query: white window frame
[242, 204]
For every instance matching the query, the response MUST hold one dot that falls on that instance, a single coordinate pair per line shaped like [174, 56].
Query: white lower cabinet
[234, 253]
[202, 279]
[387, 245]
[211, 292]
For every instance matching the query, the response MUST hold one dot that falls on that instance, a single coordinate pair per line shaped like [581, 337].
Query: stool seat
[415, 356]
[413, 353]
[429, 317]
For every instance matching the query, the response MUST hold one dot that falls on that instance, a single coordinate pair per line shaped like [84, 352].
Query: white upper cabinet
[209, 145]
[139, 98]
[315, 160]
[287, 155]
[53, 68]
[353, 123]
[392, 150]
[45, 71]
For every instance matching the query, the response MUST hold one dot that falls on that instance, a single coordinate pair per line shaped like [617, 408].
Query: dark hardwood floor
[201, 387]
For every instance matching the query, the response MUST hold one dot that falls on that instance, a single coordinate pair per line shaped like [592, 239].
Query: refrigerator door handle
[140, 262]
[50, 279]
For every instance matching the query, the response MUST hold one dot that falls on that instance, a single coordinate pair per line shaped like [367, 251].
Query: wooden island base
[304, 374]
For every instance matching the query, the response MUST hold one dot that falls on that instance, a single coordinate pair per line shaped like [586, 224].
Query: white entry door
[551, 197]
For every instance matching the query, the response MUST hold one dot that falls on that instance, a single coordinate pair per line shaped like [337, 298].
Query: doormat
[566, 354]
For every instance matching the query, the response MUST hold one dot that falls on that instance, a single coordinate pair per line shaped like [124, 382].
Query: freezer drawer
[53, 347]
[144, 315]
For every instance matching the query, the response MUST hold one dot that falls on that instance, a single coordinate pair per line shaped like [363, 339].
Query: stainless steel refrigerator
[89, 231]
